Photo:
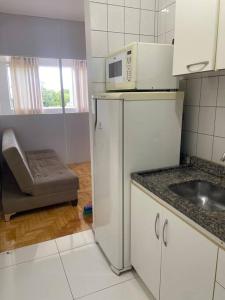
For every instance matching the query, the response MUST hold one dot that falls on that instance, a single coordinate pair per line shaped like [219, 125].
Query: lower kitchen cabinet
[162, 243]
[188, 262]
[219, 292]
[145, 242]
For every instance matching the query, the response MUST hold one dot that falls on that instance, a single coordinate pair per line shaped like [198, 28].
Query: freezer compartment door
[108, 180]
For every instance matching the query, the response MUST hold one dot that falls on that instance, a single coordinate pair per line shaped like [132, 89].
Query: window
[33, 85]
[49, 74]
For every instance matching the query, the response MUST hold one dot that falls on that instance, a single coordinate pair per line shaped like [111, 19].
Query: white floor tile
[75, 240]
[88, 271]
[42, 279]
[69, 242]
[89, 236]
[28, 253]
[129, 290]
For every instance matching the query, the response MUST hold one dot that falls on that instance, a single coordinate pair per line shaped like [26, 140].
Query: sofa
[34, 179]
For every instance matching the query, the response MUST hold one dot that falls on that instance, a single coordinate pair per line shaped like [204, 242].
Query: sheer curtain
[26, 88]
[80, 83]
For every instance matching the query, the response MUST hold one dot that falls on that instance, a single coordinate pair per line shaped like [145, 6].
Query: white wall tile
[218, 149]
[147, 39]
[132, 20]
[98, 87]
[193, 92]
[170, 17]
[204, 146]
[99, 43]
[116, 41]
[147, 22]
[169, 36]
[209, 91]
[116, 2]
[98, 70]
[148, 4]
[189, 142]
[190, 122]
[221, 92]
[115, 18]
[133, 3]
[206, 120]
[130, 38]
[161, 22]
[162, 39]
[220, 122]
[162, 4]
[98, 16]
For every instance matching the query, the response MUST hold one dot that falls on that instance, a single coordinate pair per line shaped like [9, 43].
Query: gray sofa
[36, 178]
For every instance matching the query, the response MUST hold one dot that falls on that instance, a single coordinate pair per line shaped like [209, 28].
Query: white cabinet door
[220, 59]
[220, 276]
[196, 28]
[145, 245]
[219, 292]
[188, 262]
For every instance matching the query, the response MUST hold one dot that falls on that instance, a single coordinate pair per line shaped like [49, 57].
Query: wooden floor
[48, 223]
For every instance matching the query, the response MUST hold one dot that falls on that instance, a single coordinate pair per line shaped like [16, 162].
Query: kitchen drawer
[219, 292]
[220, 276]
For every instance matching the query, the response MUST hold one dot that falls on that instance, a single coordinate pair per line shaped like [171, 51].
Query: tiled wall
[110, 24]
[204, 117]
[166, 20]
[204, 106]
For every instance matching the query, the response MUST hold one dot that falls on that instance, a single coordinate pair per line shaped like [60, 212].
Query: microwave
[141, 66]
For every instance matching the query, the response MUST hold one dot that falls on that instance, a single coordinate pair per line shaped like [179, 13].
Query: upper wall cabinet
[196, 29]
[220, 58]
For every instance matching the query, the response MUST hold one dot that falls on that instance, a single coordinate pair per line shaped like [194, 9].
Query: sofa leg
[74, 202]
[7, 217]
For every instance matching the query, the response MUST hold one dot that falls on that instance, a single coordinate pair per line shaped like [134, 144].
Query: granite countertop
[158, 181]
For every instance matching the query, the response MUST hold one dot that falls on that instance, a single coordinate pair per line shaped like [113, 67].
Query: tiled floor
[71, 267]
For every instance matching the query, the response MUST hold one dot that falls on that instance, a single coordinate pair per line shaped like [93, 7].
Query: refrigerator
[131, 131]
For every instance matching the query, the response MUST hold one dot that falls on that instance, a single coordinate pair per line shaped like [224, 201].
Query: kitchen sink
[204, 194]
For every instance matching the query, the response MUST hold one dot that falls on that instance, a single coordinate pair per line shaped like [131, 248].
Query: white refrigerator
[131, 132]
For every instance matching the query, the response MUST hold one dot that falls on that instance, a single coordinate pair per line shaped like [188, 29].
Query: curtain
[80, 83]
[26, 88]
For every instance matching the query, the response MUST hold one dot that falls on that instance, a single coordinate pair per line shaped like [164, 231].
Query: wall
[41, 37]
[110, 24]
[204, 106]
[31, 36]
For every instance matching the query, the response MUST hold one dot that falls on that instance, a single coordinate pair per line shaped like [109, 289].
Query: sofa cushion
[49, 173]
[16, 160]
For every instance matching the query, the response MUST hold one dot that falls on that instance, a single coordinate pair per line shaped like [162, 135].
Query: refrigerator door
[108, 180]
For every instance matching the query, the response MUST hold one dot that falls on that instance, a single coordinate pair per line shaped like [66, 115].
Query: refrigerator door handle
[96, 113]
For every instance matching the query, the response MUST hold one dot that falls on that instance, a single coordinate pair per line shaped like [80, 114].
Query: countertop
[157, 182]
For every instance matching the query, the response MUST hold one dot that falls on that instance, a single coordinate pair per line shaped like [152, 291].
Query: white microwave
[141, 66]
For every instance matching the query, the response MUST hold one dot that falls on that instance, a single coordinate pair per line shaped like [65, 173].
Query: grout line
[214, 129]
[106, 288]
[30, 260]
[65, 273]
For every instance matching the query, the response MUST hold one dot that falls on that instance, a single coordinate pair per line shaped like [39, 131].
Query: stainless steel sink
[204, 194]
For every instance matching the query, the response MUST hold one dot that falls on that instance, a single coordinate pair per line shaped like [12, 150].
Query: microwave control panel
[129, 65]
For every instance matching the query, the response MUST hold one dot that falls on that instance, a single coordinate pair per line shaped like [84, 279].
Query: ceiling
[56, 9]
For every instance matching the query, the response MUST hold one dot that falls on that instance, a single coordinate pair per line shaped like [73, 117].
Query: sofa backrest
[16, 160]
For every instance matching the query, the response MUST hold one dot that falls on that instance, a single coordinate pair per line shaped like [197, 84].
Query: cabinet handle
[202, 64]
[156, 222]
[164, 229]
